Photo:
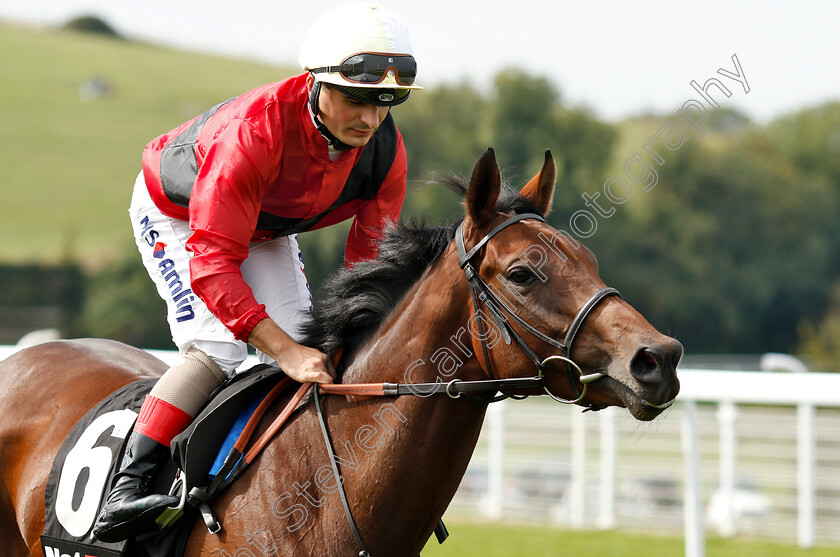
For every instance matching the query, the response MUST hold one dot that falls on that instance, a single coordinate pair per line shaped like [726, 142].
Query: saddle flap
[196, 448]
[82, 475]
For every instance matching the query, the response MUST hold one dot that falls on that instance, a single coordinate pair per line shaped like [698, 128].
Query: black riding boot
[130, 508]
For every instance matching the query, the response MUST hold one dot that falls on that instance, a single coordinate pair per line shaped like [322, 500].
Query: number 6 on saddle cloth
[88, 459]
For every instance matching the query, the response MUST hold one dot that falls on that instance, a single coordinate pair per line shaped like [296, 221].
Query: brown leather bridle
[456, 388]
[502, 316]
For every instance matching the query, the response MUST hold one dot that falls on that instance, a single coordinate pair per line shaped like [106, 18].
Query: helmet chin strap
[332, 140]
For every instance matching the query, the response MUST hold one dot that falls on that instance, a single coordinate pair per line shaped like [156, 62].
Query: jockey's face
[352, 122]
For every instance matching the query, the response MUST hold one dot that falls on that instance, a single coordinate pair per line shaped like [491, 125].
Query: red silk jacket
[249, 167]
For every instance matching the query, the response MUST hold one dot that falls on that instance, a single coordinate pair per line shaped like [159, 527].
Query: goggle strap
[331, 69]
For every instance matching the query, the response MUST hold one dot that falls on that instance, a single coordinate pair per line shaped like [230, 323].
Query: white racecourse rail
[753, 453]
[744, 452]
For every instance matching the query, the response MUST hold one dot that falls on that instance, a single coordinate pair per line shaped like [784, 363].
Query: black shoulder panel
[178, 166]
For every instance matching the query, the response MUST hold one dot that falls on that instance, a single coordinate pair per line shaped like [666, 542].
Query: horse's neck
[434, 436]
[430, 319]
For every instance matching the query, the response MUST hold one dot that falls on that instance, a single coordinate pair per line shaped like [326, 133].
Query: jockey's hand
[301, 363]
[305, 365]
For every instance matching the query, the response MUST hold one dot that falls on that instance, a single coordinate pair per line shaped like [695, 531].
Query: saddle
[204, 462]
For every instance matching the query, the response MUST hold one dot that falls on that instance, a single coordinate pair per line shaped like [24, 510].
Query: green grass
[67, 165]
[503, 540]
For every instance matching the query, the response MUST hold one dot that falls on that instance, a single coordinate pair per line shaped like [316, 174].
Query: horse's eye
[520, 276]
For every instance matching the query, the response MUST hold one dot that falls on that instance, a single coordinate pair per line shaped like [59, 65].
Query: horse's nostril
[644, 363]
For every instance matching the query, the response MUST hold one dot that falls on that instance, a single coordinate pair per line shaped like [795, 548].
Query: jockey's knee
[188, 383]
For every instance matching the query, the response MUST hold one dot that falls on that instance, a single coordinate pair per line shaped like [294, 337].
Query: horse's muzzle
[654, 367]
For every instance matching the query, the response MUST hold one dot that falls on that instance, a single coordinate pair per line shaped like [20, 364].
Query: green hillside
[67, 165]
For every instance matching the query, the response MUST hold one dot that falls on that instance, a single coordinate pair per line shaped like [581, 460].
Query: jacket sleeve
[224, 207]
[374, 216]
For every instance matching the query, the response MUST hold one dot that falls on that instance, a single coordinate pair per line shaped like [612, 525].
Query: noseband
[502, 314]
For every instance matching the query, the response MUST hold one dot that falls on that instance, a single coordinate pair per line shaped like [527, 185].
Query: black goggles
[373, 68]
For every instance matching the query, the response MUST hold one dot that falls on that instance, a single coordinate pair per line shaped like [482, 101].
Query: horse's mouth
[641, 408]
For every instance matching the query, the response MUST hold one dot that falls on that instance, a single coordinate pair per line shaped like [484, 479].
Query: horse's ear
[540, 189]
[483, 191]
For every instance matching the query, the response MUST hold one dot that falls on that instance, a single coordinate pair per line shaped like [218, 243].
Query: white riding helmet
[360, 46]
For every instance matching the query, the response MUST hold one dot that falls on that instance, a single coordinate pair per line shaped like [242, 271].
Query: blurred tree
[529, 117]
[445, 130]
[323, 252]
[730, 251]
[811, 139]
[820, 340]
[39, 296]
[443, 127]
[727, 120]
[92, 24]
[582, 147]
[523, 119]
[121, 304]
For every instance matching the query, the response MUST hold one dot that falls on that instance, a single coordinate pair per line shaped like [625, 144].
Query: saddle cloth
[84, 467]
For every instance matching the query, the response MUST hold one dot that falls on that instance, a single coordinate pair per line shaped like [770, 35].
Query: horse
[410, 316]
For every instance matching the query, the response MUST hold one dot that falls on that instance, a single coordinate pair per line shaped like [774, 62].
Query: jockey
[216, 210]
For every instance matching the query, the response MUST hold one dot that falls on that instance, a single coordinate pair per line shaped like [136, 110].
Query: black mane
[354, 302]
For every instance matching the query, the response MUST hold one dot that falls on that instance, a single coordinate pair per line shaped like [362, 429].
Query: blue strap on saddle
[232, 436]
